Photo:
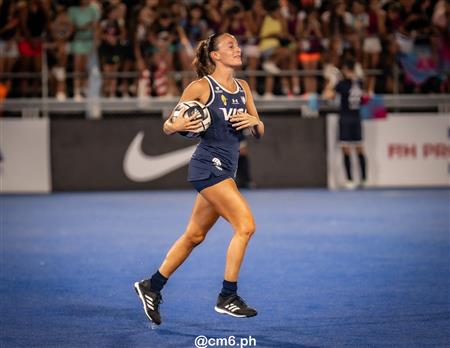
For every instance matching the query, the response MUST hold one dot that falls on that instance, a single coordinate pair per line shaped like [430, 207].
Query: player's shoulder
[244, 84]
[197, 90]
[199, 84]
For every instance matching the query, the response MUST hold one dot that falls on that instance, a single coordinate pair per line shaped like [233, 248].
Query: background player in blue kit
[212, 170]
[350, 90]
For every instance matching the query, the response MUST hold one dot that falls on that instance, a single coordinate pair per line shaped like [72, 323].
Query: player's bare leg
[230, 204]
[203, 217]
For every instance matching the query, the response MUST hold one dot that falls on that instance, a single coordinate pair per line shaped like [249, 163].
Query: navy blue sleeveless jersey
[350, 129]
[350, 92]
[218, 151]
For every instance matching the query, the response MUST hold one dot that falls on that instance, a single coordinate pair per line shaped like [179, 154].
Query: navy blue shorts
[350, 130]
[212, 180]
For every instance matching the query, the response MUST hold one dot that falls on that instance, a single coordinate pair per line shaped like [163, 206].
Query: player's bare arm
[195, 91]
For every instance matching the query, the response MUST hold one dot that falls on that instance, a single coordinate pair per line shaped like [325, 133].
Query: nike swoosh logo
[140, 167]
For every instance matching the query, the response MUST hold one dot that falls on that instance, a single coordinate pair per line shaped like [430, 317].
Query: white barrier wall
[402, 150]
[25, 149]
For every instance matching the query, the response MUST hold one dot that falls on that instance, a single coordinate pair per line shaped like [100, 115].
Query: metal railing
[32, 107]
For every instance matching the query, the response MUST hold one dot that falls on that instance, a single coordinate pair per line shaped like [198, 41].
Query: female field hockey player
[350, 125]
[212, 171]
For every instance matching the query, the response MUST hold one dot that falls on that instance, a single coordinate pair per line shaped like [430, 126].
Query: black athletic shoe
[150, 300]
[235, 306]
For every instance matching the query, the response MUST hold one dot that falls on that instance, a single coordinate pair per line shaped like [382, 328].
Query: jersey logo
[224, 99]
[217, 163]
[234, 101]
[227, 113]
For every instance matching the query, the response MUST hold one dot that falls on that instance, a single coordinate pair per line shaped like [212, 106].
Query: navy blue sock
[348, 167]
[228, 288]
[157, 282]
[362, 165]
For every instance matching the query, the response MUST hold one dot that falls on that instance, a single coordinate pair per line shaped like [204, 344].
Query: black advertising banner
[130, 153]
[292, 153]
[117, 154]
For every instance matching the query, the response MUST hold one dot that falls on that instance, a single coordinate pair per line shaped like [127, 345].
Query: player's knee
[246, 230]
[195, 239]
[345, 149]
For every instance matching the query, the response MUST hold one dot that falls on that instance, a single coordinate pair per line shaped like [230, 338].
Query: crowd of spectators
[145, 47]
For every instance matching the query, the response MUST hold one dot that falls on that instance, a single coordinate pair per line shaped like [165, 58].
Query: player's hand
[244, 120]
[186, 124]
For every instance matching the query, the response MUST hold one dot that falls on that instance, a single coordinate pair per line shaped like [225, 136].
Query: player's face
[229, 51]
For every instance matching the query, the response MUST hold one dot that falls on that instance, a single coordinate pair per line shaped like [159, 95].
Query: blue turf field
[325, 269]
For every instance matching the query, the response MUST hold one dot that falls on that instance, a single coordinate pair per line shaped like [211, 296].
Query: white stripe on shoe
[141, 296]
[148, 298]
[223, 311]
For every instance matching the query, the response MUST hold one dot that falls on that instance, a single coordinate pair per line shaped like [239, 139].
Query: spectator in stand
[61, 30]
[335, 26]
[405, 31]
[234, 23]
[225, 5]
[275, 45]
[162, 45]
[34, 17]
[394, 19]
[128, 85]
[416, 53]
[358, 26]
[309, 32]
[9, 25]
[112, 33]
[254, 16]
[213, 15]
[184, 51]
[392, 25]
[179, 11]
[122, 11]
[195, 27]
[441, 22]
[84, 17]
[146, 15]
[388, 66]
[237, 23]
[372, 48]
[289, 12]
